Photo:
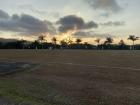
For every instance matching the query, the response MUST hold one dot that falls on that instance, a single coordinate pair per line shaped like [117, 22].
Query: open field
[72, 77]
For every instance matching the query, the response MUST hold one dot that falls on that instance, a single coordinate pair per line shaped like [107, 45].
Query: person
[36, 48]
[50, 48]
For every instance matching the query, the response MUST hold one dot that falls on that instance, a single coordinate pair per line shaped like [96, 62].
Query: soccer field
[71, 77]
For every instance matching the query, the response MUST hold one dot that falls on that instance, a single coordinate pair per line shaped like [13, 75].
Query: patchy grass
[67, 84]
[31, 90]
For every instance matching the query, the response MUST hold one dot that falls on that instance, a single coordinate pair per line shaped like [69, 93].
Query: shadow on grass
[25, 89]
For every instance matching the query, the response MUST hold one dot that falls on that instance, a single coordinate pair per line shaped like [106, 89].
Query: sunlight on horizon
[66, 20]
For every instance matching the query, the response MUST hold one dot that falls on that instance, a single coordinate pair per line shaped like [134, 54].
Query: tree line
[41, 43]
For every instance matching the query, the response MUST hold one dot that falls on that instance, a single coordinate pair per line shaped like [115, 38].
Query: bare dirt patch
[74, 78]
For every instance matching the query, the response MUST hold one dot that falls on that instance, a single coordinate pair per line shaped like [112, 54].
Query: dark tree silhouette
[41, 38]
[69, 42]
[78, 41]
[121, 44]
[86, 45]
[133, 38]
[54, 41]
[21, 44]
[63, 43]
[98, 42]
[35, 44]
[108, 41]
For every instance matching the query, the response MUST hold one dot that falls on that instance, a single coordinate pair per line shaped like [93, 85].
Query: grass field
[72, 77]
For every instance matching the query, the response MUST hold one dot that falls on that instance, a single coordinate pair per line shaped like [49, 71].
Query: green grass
[31, 90]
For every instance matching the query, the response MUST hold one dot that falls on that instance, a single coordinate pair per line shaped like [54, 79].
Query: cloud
[72, 21]
[3, 15]
[89, 34]
[116, 23]
[108, 6]
[31, 8]
[39, 12]
[84, 33]
[25, 24]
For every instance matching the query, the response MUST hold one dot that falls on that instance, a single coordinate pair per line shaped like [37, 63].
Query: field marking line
[95, 66]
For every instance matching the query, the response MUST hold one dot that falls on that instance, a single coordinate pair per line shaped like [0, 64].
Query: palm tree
[63, 43]
[121, 44]
[41, 39]
[69, 41]
[78, 41]
[133, 38]
[36, 44]
[98, 42]
[108, 41]
[54, 40]
[86, 45]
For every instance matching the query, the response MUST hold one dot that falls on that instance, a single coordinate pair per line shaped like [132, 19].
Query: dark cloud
[89, 34]
[3, 15]
[90, 24]
[116, 23]
[26, 25]
[84, 33]
[71, 22]
[108, 6]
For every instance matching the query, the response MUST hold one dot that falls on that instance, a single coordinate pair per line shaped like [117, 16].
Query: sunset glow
[85, 19]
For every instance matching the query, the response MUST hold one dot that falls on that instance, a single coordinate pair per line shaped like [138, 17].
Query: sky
[85, 19]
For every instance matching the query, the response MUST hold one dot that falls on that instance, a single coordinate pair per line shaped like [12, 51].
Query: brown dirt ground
[86, 77]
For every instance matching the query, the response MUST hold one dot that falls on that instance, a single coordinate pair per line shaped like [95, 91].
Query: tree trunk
[133, 45]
